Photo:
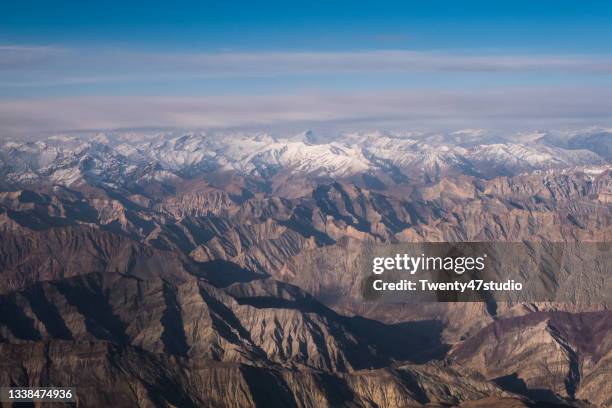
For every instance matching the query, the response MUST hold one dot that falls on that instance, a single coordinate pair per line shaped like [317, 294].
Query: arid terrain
[182, 269]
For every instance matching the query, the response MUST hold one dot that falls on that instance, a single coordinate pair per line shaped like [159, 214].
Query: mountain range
[179, 268]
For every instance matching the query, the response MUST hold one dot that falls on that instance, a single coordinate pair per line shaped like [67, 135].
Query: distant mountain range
[123, 159]
[221, 269]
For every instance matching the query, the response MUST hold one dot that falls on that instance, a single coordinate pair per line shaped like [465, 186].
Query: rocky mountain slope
[170, 266]
[151, 343]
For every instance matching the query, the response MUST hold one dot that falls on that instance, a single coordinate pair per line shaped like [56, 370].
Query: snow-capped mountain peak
[121, 156]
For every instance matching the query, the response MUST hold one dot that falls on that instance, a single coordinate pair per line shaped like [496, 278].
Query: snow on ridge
[118, 154]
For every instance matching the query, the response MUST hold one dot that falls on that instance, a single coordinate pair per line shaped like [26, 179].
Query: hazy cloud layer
[35, 66]
[119, 72]
[503, 107]
[27, 57]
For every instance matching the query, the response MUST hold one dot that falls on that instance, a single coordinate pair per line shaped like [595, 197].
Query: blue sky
[429, 64]
[548, 25]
